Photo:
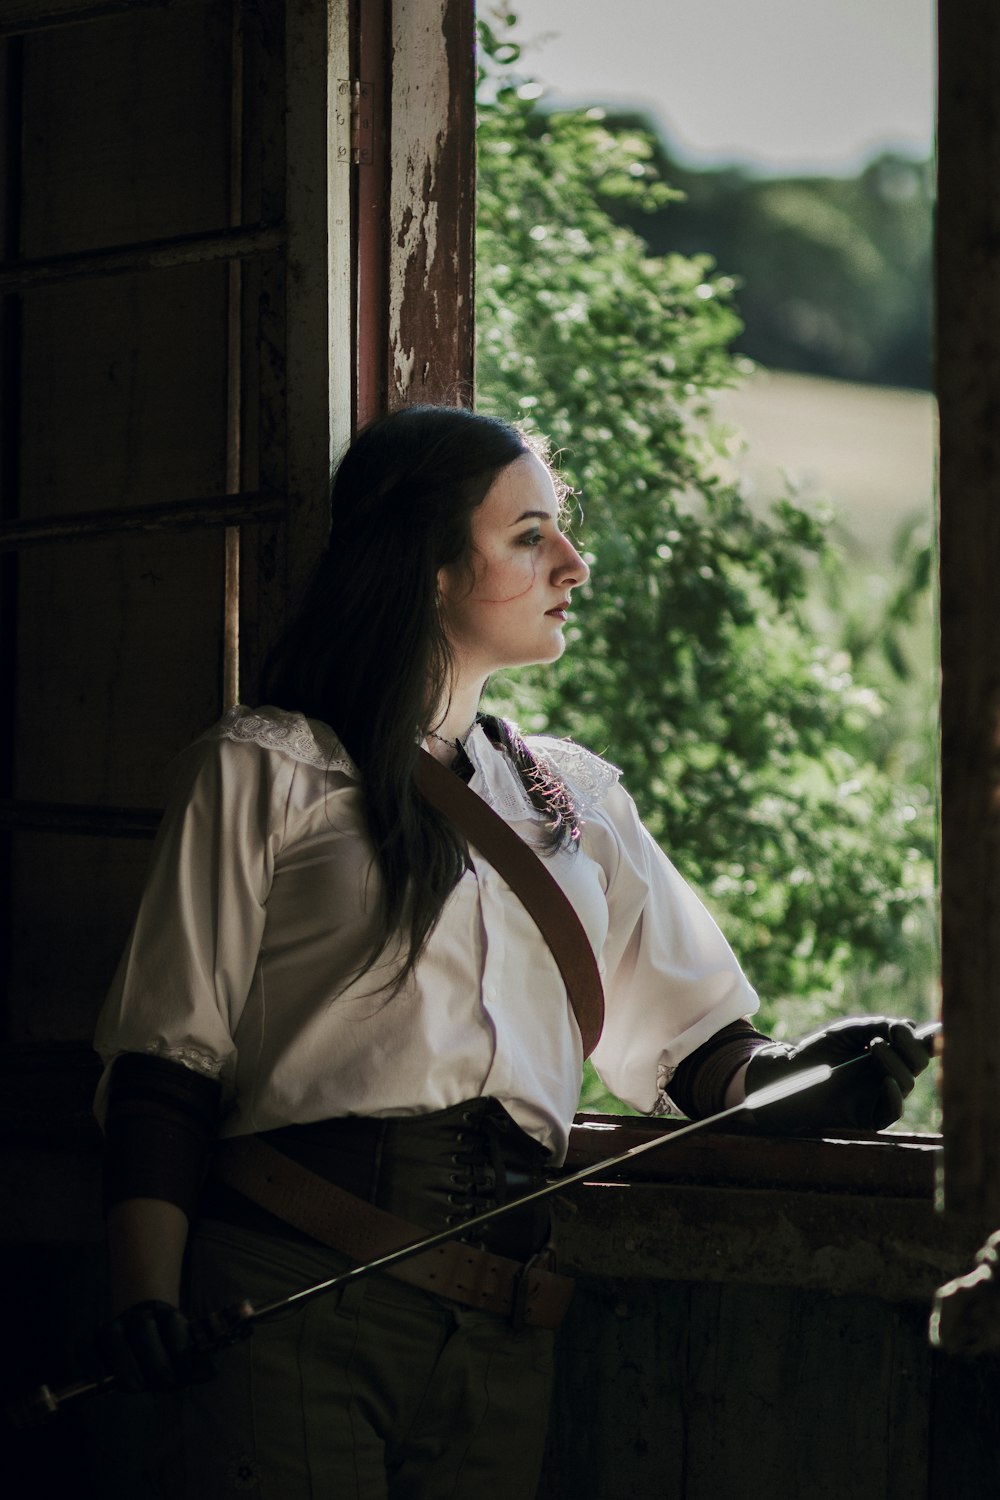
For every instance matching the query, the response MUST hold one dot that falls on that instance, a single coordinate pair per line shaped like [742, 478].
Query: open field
[868, 450]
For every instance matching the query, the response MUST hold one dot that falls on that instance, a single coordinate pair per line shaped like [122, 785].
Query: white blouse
[253, 921]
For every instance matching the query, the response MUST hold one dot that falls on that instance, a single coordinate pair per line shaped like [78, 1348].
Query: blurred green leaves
[758, 755]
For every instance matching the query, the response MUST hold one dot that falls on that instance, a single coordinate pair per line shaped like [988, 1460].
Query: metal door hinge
[354, 122]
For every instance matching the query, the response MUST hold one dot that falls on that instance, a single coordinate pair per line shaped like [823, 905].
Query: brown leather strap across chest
[537, 890]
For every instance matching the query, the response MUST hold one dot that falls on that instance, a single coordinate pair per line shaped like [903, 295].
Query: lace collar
[307, 740]
[588, 777]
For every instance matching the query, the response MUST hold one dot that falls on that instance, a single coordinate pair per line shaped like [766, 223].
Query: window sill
[853, 1215]
[896, 1166]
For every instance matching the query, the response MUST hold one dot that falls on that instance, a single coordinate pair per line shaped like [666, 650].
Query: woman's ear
[457, 580]
[451, 585]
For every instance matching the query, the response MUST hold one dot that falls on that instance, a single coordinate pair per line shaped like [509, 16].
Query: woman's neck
[455, 719]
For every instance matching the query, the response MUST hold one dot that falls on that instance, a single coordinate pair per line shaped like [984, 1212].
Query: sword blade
[238, 1321]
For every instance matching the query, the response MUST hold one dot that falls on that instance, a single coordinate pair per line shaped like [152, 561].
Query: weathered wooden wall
[751, 1318]
[122, 403]
[692, 1392]
[175, 367]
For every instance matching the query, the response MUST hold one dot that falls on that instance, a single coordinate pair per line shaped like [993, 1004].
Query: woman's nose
[571, 568]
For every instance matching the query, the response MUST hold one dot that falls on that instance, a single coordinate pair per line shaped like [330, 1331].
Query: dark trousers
[376, 1391]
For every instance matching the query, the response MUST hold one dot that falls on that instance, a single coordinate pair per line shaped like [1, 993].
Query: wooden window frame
[891, 1216]
[968, 378]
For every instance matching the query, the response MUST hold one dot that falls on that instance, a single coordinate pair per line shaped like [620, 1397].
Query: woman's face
[524, 570]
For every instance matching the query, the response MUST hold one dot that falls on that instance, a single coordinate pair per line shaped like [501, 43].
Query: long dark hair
[368, 653]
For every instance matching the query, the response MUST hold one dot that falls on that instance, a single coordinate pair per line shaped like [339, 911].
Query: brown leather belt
[344, 1222]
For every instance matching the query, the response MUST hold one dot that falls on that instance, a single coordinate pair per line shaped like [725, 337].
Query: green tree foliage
[834, 272]
[746, 740]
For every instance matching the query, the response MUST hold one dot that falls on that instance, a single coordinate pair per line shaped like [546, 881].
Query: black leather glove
[882, 1056]
[150, 1347]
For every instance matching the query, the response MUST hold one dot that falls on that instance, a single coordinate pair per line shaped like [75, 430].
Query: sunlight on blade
[788, 1086]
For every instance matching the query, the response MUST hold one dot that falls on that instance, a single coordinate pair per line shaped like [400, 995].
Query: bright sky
[790, 85]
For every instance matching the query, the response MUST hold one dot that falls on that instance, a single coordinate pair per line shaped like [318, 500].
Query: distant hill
[833, 273]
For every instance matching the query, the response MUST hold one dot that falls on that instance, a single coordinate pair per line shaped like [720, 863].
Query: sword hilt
[217, 1330]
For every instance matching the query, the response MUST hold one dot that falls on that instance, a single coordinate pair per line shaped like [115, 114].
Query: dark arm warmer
[160, 1125]
[698, 1088]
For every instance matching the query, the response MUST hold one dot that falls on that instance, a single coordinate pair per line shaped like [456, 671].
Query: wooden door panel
[124, 383]
[72, 906]
[119, 663]
[126, 128]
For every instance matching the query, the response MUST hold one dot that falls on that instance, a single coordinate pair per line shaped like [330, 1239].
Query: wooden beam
[370, 289]
[317, 331]
[156, 255]
[968, 354]
[19, 16]
[140, 520]
[432, 202]
[896, 1249]
[890, 1165]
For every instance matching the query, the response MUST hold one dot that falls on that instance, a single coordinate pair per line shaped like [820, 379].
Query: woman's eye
[531, 539]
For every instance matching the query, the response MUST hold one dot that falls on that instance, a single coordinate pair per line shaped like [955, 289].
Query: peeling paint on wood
[431, 202]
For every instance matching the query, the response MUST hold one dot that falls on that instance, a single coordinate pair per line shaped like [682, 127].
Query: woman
[326, 971]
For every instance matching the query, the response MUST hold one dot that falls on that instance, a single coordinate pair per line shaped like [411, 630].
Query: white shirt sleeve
[188, 965]
[671, 979]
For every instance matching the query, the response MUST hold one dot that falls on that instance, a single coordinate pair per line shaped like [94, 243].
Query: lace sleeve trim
[305, 740]
[664, 1104]
[588, 777]
[187, 1057]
